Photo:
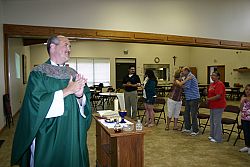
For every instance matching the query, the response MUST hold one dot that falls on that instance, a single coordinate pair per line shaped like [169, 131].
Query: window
[161, 71]
[94, 69]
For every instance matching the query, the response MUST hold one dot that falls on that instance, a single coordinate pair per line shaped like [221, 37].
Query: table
[233, 92]
[118, 149]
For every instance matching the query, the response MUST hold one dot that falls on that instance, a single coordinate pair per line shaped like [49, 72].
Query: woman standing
[149, 94]
[245, 118]
[217, 103]
[174, 99]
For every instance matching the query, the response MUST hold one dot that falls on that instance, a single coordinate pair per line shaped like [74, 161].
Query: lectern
[125, 149]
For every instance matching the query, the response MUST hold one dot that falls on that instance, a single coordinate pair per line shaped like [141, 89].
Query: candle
[116, 104]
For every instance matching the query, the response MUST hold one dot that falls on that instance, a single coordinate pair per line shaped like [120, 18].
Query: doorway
[220, 69]
[121, 66]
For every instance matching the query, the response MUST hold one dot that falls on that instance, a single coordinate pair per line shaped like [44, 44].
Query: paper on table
[111, 125]
[121, 100]
[108, 113]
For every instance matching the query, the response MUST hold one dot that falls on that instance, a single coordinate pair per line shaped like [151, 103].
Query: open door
[220, 69]
[121, 66]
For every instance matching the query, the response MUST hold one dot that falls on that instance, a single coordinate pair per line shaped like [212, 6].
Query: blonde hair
[177, 74]
[186, 68]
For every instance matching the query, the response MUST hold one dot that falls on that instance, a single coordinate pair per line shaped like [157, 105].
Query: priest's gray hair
[52, 40]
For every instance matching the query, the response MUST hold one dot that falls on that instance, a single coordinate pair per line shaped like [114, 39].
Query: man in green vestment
[55, 114]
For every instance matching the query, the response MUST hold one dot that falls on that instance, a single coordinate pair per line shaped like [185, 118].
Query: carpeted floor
[164, 149]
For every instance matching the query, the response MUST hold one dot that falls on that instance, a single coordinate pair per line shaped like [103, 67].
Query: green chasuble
[60, 141]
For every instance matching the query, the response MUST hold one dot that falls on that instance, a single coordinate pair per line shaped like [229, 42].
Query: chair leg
[182, 125]
[165, 117]
[205, 126]
[238, 137]
[230, 133]
[199, 122]
[159, 118]
[143, 115]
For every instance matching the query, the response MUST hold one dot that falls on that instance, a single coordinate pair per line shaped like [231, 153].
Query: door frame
[222, 78]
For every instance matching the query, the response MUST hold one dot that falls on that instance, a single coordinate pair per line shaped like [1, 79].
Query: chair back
[203, 104]
[159, 104]
[140, 103]
[233, 109]
[230, 117]
[141, 99]
[159, 108]
[160, 101]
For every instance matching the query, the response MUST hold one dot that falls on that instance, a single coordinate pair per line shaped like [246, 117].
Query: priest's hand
[74, 86]
[80, 92]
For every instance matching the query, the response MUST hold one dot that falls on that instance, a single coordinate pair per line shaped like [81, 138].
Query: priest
[55, 114]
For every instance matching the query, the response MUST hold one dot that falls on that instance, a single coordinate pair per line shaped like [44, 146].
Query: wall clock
[157, 60]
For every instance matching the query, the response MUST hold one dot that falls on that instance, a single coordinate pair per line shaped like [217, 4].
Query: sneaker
[194, 133]
[209, 138]
[213, 140]
[186, 131]
[245, 149]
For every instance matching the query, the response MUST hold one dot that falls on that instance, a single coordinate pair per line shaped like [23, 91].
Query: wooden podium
[124, 149]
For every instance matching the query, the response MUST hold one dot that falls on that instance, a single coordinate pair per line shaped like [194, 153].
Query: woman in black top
[149, 93]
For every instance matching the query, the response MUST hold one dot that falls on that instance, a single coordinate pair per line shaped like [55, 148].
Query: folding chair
[239, 127]
[232, 113]
[182, 113]
[203, 106]
[140, 108]
[159, 107]
[7, 110]
[95, 100]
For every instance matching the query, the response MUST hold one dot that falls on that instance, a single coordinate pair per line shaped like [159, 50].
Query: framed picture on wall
[24, 66]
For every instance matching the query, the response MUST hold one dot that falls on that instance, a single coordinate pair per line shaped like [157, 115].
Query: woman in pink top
[245, 118]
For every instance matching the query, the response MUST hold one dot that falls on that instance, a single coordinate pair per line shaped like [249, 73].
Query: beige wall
[144, 54]
[223, 19]
[232, 59]
[16, 85]
[2, 83]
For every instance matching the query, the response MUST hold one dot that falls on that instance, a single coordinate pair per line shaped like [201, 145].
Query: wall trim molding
[14, 30]
[43, 32]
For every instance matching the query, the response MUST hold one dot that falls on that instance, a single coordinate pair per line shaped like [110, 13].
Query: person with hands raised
[55, 114]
